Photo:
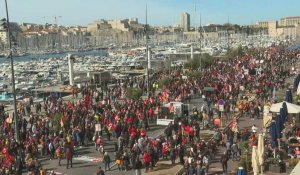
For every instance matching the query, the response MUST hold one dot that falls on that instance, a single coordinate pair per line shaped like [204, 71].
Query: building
[289, 21]
[3, 33]
[99, 25]
[283, 32]
[262, 24]
[185, 21]
[14, 29]
[122, 25]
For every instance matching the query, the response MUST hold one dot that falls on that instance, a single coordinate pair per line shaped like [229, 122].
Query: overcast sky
[160, 12]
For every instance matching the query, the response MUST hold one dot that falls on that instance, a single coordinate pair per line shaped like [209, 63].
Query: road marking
[89, 159]
[56, 173]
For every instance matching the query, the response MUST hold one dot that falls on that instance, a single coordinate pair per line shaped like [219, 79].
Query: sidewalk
[216, 167]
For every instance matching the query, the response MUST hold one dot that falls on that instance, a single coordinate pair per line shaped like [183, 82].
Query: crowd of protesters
[101, 114]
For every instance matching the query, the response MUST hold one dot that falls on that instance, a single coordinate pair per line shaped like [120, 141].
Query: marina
[149, 87]
[103, 66]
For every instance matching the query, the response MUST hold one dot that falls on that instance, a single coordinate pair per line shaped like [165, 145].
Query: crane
[54, 17]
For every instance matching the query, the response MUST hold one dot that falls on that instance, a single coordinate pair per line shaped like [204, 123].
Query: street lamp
[147, 55]
[15, 116]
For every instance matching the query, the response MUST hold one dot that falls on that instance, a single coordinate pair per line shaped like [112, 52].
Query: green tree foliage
[56, 122]
[194, 74]
[164, 82]
[203, 60]
[207, 60]
[134, 93]
[233, 53]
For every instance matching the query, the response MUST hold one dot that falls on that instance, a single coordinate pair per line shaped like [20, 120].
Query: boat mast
[195, 39]
[228, 33]
[200, 43]
[147, 50]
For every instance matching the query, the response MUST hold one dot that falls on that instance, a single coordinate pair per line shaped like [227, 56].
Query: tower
[185, 21]
[71, 68]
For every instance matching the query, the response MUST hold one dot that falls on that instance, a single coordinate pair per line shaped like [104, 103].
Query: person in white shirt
[254, 129]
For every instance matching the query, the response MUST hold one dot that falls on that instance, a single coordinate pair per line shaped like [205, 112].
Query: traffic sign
[221, 102]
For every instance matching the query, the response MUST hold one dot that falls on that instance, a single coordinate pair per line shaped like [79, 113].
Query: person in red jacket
[143, 132]
[191, 134]
[150, 114]
[165, 150]
[147, 160]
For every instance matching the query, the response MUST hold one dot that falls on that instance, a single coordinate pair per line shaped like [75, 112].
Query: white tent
[255, 163]
[260, 151]
[292, 108]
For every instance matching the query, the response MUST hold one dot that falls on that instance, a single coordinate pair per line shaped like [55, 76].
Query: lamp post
[147, 54]
[15, 116]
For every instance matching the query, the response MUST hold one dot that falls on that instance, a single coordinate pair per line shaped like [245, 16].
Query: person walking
[223, 160]
[58, 154]
[69, 156]
[206, 163]
[51, 149]
[106, 160]
[119, 161]
[173, 155]
[146, 160]
[100, 171]
[234, 152]
[181, 154]
[137, 167]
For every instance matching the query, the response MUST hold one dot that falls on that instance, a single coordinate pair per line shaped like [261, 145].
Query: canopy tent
[279, 125]
[296, 82]
[273, 133]
[288, 96]
[255, 161]
[291, 108]
[260, 150]
[298, 90]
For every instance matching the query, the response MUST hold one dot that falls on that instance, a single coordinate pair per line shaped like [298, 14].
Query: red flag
[8, 159]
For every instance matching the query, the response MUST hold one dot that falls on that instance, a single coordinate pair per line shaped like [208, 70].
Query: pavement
[87, 160]
[216, 167]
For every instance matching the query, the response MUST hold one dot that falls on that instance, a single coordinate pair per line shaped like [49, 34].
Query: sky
[160, 12]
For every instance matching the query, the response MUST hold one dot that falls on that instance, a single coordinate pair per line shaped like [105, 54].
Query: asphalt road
[87, 160]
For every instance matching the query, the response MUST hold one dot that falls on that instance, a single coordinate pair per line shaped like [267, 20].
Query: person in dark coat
[106, 161]
[223, 160]
[181, 154]
[191, 170]
[173, 155]
[137, 167]
[100, 171]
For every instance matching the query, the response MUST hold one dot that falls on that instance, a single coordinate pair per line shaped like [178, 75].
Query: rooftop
[291, 17]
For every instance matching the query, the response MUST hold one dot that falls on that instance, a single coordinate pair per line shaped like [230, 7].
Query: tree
[207, 60]
[203, 60]
[235, 52]
[56, 122]
[194, 74]
[134, 93]
[164, 82]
